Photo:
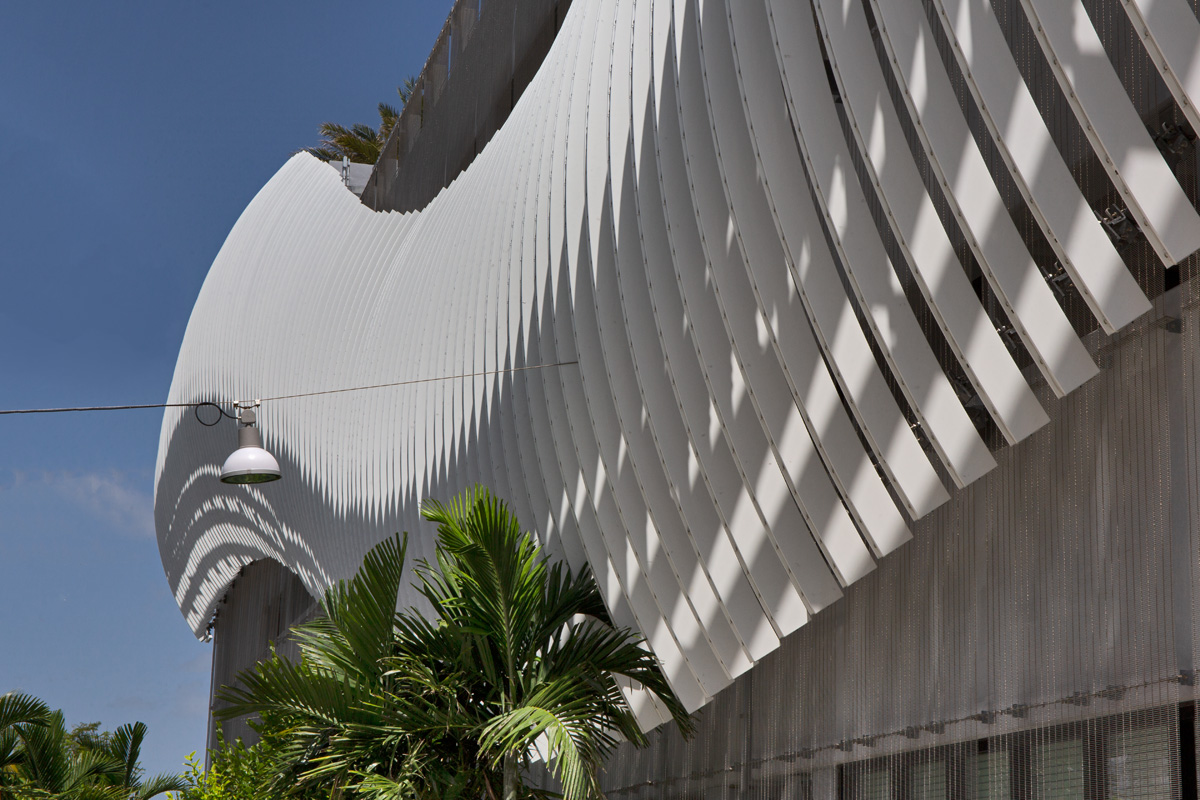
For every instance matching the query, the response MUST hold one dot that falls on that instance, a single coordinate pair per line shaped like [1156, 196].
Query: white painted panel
[867, 268]
[771, 142]
[613, 448]
[645, 211]
[1171, 33]
[974, 199]
[744, 565]
[685, 329]
[698, 270]
[1020, 135]
[666, 622]
[617, 244]
[775, 317]
[1117, 134]
[915, 224]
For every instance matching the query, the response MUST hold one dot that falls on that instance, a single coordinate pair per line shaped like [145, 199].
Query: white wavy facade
[690, 360]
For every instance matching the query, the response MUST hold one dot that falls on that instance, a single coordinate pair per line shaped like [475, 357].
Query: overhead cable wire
[285, 396]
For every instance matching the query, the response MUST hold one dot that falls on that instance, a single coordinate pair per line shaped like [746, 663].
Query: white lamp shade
[250, 463]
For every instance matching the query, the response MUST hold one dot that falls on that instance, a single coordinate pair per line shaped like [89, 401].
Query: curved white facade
[746, 410]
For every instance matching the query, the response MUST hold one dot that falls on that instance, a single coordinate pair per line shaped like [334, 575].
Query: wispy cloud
[110, 497]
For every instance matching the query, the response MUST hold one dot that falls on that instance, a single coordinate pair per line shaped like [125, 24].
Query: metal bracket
[1059, 280]
[1173, 140]
[1120, 227]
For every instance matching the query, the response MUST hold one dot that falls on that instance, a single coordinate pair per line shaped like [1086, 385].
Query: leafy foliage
[536, 643]
[40, 758]
[236, 772]
[518, 663]
[17, 712]
[361, 143]
[406, 89]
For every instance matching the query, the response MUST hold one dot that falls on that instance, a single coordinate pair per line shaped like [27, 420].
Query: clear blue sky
[133, 134]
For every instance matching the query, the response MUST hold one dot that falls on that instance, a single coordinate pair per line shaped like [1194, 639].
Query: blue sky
[134, 133]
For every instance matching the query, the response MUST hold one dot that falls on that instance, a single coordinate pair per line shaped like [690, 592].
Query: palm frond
[489, 577]
[575, 744]
[45, 761]
[360, 143]
[88, 765]
[95, 791]
[22, 709]
[363, 609]
[297, 691]
[126, 749]
[323, 153]
[330, 692]
[406, 89]
[160, 784]
[596, 649]
[331, 130]
[388, 117]
[10, 751]
[381, 787]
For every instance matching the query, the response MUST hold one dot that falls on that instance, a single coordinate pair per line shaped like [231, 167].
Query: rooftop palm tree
[518, 663]
[406, 90]
[361, 143]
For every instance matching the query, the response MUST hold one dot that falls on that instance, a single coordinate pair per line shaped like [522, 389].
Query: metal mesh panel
[1038, 636]
[1139, 763]
[259, 609]
[1043, 620]
[1024, 645]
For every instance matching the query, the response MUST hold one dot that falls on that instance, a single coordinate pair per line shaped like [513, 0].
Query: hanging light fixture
[250, 463]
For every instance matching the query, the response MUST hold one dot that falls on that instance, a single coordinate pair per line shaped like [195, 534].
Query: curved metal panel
[1023, 141]
[843, 207]
[1118, 136]
[972, 195]
[1170, 30]
[913, 219]
[656, 315]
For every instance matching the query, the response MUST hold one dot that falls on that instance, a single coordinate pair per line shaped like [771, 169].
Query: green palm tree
[124, 749]
[361, 143]
[16, 709]
[536, 644]
[52, 768]
[309, 711]
[49, 763]
[21, 709]
[518, 663]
